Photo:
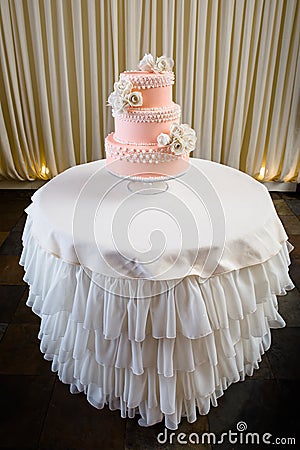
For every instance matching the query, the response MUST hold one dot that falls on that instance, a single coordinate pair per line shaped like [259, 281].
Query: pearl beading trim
[138, 155]
[150, 180]
[145, 81]
[144, 144]
[150, 115]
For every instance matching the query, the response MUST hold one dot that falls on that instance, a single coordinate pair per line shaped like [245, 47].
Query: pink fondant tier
[155, 87]
[143, 161]
[142, 145]
[142, 126]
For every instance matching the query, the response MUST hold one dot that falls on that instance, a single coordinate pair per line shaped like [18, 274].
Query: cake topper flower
[123, 96]
[182, 139]
[161, 64]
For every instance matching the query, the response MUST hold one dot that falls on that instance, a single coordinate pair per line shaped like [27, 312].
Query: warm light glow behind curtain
[237, 70]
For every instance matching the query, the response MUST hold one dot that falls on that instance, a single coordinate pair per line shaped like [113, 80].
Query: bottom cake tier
[143, 161]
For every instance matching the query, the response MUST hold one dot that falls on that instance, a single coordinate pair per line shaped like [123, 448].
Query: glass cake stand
[149, 185]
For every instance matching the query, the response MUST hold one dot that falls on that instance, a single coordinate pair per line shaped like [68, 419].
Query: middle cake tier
[143, 125]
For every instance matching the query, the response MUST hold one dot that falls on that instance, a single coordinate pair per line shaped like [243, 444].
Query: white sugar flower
[134, 98]
[183, 138]
[190, 143]
[164, 64]
[161, 64]
[163, 139]
[147, 63]
[122, 96]
[176, 130]
[177, 146]
[116, 102]
[123, 87]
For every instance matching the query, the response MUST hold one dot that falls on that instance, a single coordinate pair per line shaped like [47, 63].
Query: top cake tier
[156, 87]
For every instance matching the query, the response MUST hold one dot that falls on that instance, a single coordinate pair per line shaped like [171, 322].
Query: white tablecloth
[155, 303]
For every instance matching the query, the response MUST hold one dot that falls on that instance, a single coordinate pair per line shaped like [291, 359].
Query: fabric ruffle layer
[163, 356]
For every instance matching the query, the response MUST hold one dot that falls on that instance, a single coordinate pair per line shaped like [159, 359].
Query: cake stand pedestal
[146, 187]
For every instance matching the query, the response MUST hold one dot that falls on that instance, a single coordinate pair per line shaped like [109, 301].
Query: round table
[155, 304]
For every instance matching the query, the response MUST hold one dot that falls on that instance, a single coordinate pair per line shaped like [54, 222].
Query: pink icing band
[137, 154]
[143, 126]
[147, 80]
[125, 169]
[150, 115]
[146, 144]
[141, 132]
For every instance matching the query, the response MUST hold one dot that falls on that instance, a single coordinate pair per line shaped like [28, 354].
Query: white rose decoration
[116, 102]
[123, 87]
[163, 139]
[122, 96]
[164, 64]
[135, 98]
[186, 129]
[176, 130]
[182, 139]
[161, 64]
[147, 63]
[189, 143]
[177, 146]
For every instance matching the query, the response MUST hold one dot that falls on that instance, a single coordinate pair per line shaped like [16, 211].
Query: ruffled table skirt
[162, 357]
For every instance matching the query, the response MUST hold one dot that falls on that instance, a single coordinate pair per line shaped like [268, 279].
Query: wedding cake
[149, 140]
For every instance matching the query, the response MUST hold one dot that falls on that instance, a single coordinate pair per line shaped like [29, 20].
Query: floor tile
[294, 239]
[24, 403]
[275, 195]
[158, 437]
[284, 353]
[24, 313]
[72, 423]
[8, 219]
[12, 206]
[9, 299]
[258, 406]
[20, 353]
[14, 200]
[291, 224]
[290, 195]
[289, 308]
[264, 372]
[282, 208]
[3, 236]
[12, 244]
[295, 271]
[3, 328]
[10, 270]
[294, 205]
[21, 223]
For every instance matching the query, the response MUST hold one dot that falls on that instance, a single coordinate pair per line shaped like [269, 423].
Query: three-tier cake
[149, 142]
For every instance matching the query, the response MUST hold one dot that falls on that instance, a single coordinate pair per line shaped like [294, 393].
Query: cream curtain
[237, 69]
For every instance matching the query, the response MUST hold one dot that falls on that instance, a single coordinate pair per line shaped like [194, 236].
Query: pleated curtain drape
[237, 70]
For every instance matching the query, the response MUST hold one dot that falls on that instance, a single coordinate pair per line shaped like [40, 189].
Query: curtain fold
[236, 66]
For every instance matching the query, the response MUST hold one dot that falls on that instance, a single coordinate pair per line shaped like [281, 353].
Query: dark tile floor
[38, 412]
